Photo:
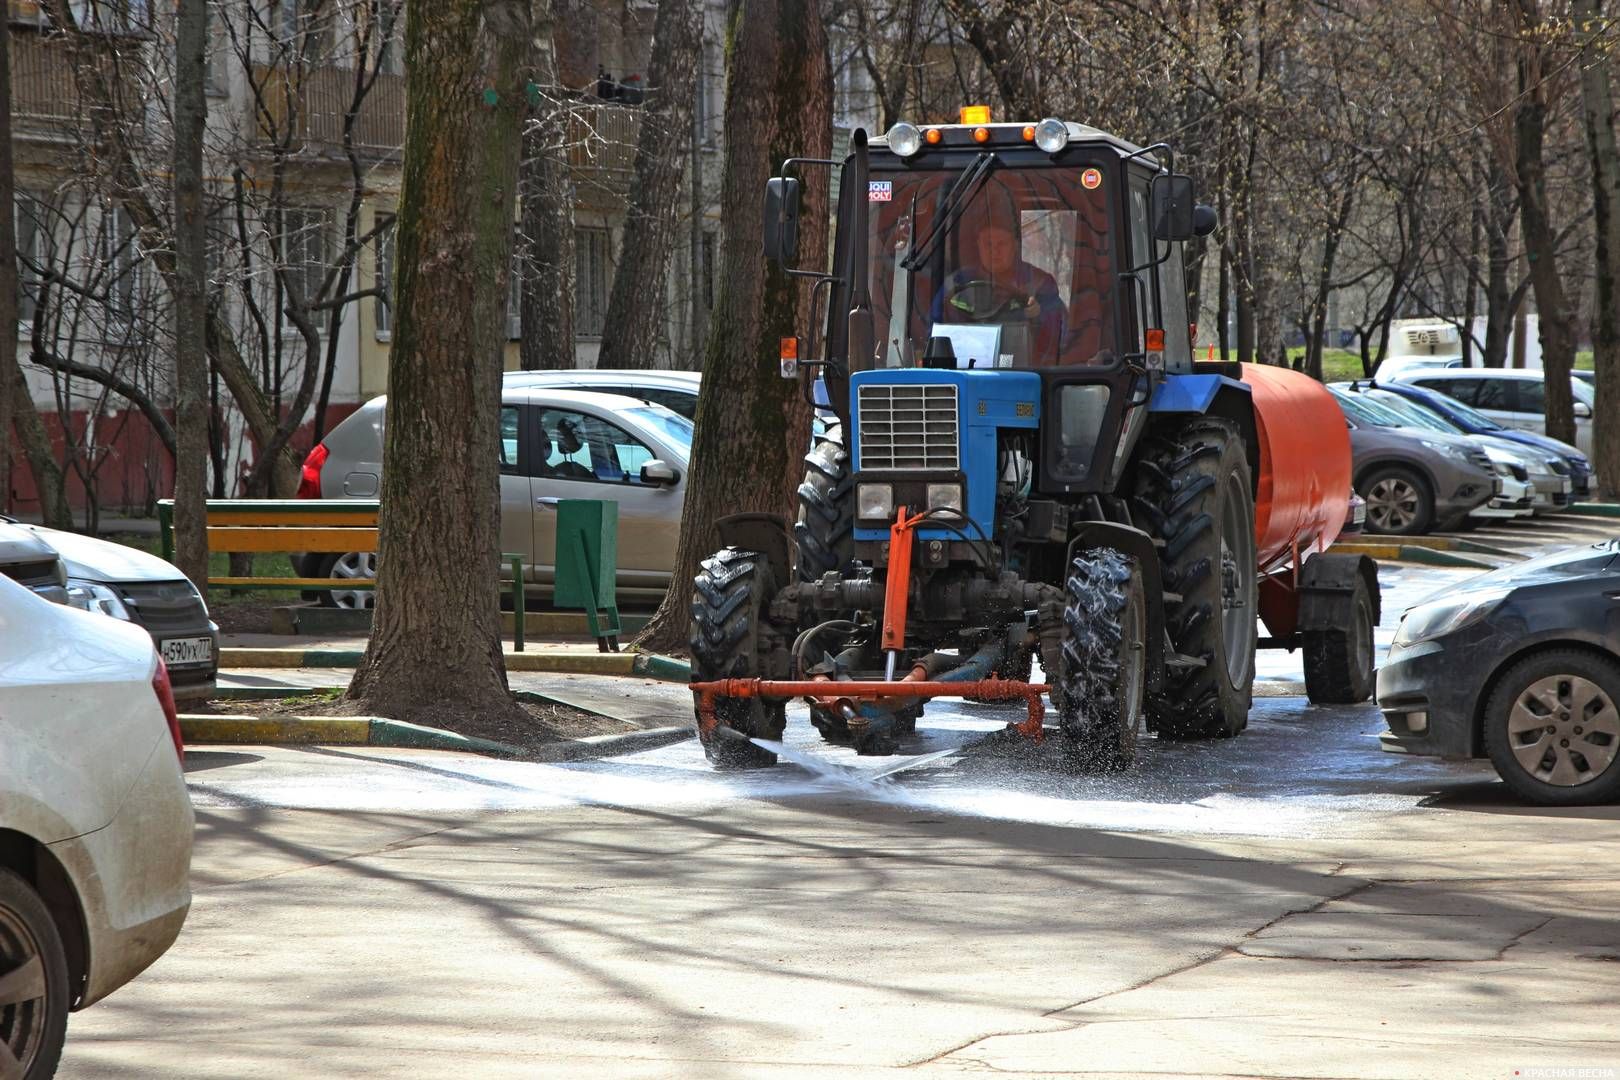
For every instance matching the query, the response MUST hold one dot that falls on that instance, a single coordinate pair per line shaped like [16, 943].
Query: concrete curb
[603, 746]
[642, 665]
[330, 731]
[1592, 509]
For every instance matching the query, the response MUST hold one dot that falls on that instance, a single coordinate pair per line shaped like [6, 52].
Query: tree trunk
[638, 306]
[752, 425]
[191, 302]
[546, 293]
[1598, 106]
[699, 334]
[1540, 239]
[435, 645]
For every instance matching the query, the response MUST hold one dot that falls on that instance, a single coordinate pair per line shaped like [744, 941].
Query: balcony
[307, 111]
[602, 141]
[43, 95]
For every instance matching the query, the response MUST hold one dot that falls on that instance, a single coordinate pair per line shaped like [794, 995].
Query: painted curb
[202, 730]
[1403, 552]
[663, 668]
[1591, 509]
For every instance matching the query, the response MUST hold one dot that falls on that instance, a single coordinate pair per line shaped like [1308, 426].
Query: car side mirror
[1173, 208]
[1583, 411]
[782, 219]
[658, 473]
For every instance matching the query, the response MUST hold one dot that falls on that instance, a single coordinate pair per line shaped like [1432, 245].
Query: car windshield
[666, 422]
[1024, 278]
[1410, 411]
[1363, 411]
[1469, 415]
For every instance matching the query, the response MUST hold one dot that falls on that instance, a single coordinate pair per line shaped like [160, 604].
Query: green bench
[289, 526]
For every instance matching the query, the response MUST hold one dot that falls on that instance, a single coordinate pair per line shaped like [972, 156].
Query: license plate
[178, 652]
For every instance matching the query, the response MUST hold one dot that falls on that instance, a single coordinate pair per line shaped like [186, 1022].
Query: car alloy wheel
[359, 565]
[33, 983]
[1392, 504]
[1564, 730]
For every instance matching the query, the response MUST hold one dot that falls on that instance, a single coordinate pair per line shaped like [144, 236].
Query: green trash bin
[588, 565]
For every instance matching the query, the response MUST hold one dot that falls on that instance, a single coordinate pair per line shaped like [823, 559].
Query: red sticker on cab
[1090, 179]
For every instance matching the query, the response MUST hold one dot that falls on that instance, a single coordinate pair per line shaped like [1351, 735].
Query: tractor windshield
[1022, 278]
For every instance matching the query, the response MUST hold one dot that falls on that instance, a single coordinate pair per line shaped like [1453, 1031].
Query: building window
[303, 258]
[591, 281]
[122, 265]
[33, 232]
[382, 245]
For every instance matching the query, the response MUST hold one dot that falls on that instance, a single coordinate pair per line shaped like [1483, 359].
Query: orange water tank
[1304, 491]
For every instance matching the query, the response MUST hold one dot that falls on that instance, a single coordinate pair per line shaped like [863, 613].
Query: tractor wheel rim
[357, 565]
[1392, 503]
[1237, 551]
[1564, 730]
[23, 996]
[1132, 666]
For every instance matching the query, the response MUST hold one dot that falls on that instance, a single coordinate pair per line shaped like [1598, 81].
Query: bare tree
[191, 303]
[546, 244]
[436, 639]
[752, 426]
[1598, 109]
[638, 306]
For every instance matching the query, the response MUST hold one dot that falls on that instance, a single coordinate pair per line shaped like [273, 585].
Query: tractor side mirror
[782, 219]
[1173, 207]
[1204, 220]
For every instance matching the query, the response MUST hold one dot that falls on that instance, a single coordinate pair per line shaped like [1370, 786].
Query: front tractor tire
[731, 638]
[1195, 494]
[825, 530]
[1102, 670]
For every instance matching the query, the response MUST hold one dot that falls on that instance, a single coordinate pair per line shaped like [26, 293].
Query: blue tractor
[1024, 461]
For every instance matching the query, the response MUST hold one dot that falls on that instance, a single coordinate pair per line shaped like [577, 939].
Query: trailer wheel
[825, 531]
[1103, 666]
[1339, 662]
[732, 639]
[1194, 493]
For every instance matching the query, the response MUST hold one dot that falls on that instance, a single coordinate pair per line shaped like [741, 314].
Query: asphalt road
[1288, 903]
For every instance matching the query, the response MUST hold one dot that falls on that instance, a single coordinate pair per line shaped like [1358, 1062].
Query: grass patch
[219, 565]
[1338, 365]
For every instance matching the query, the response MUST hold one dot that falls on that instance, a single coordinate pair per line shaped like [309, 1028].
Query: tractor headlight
[945, 497]
[874, 501]
[1051, 135]
[905, 140]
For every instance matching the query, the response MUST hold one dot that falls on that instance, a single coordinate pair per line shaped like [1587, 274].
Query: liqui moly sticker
[879, 190]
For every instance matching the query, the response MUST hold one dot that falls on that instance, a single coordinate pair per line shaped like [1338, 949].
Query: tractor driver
[1002, 287]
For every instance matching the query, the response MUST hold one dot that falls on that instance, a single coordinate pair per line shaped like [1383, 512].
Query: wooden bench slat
[292, 519]
[246, 539]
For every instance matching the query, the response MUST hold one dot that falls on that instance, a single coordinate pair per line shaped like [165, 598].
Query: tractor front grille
[908, 426]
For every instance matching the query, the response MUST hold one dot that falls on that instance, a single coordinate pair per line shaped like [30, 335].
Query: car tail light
[165, 696]
[309, 486]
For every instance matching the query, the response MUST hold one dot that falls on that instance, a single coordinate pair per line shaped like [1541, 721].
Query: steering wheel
[982, 301]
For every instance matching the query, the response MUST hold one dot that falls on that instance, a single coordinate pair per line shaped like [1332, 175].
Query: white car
[677, 390]
[95, 823]
[1513, 397]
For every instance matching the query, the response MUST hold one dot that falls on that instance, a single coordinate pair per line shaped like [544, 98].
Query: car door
[589, 457]
[1531, 404]
[517, 506]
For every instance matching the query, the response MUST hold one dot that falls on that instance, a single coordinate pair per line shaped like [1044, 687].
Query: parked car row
[1426, 462]
[124, 583]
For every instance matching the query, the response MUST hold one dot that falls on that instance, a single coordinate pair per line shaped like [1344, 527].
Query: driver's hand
[1032, 309]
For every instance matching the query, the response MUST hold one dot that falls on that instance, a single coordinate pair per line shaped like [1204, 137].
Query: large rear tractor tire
[1339, 662]
[731, 638]
[1103, 668]
[1195, 493]
[825, 530]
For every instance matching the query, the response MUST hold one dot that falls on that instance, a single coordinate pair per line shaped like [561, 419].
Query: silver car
[555, 444]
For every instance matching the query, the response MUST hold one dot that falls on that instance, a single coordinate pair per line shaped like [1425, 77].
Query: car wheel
[1399, 502]
[33, 983]
[1552, 728]
[353, 564]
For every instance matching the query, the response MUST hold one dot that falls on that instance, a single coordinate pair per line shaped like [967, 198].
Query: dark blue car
[1475, 422]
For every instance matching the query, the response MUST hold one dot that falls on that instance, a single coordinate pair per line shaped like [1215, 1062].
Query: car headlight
[94, 596]
[874, 501]
[1448, 449]
[1446, 614]
[196, 594]
[945, 497]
